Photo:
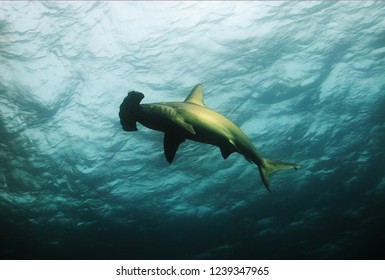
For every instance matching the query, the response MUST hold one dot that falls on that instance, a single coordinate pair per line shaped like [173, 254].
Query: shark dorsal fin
[196, 96]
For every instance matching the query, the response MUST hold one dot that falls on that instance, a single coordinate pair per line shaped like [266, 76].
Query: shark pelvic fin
[226, 152]
[196, 96]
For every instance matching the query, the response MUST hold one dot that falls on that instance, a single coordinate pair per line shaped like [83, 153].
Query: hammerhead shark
[192, 120]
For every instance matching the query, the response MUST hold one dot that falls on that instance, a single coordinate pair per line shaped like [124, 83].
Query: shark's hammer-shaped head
[129, 110]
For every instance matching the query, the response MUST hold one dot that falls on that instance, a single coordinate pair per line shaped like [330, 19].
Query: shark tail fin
[269, 166]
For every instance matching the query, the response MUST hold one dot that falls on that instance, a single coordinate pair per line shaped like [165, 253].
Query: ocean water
[304, 80]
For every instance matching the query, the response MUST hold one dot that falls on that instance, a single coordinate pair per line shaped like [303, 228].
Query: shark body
[192, 120]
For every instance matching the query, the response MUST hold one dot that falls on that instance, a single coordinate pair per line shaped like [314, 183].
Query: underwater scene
[304, 81]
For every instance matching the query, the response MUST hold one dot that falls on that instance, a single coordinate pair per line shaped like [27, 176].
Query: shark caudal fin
[269, 166]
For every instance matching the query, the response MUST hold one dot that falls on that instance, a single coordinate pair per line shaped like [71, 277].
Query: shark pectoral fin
[171, 144]
[181, 122]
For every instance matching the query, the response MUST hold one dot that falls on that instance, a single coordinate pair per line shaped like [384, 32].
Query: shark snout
[129, 109]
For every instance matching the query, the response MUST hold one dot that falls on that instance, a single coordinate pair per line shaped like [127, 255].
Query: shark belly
[215, 129]
[209, 126]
